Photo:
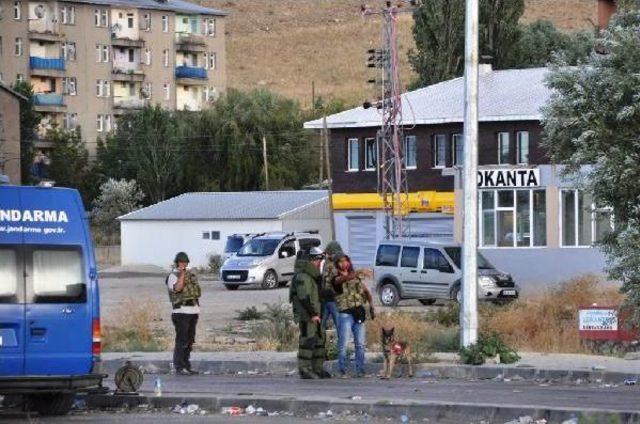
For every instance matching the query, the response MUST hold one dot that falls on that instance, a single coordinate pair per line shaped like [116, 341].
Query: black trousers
[185, 325]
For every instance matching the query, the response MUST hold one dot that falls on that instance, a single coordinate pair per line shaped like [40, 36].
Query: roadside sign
[598, 320]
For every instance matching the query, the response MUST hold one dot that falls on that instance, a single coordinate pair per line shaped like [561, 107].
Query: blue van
[49, 303]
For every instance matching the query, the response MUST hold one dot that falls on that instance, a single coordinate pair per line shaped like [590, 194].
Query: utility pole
[392, 171]
[266, 162]
[321, 161]
[469, 311]
[325, 137]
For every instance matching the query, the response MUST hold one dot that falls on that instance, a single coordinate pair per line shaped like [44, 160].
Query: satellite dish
[39, 11]
[116, 27]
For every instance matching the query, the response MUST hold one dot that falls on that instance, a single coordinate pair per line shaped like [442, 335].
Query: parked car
[235, 243]
[49, 303]
[267, 259]
[428, 271]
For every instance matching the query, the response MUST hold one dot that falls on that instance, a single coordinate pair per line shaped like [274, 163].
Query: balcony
[124, 74]
[188, 75]
[120, 41]
[124, 104]
[46, 67]
[48, 102]
[189, 42]
[44, 29]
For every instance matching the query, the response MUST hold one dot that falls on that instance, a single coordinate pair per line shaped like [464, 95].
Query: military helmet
[181, 257]
[315, 254]
[333, 248]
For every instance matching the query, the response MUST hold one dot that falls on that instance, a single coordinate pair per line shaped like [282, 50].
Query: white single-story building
[199, 223]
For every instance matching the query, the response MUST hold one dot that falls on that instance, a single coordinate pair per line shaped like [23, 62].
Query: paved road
[482, 392]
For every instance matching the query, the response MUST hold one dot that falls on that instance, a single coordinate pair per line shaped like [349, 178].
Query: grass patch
[548, 322]
[249, 313]
[278, 331]
[133, 329]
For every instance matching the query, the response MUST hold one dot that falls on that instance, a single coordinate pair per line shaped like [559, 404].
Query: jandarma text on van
[36, 215]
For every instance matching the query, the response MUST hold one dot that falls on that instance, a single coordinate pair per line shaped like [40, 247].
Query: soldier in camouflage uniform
[184, 294]
[304, 295]
[327, 292]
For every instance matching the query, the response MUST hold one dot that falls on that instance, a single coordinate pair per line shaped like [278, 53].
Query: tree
[117, 197]
[29, 120]
[592, 126]
[439, 36]
[145, 147]
[540, 41]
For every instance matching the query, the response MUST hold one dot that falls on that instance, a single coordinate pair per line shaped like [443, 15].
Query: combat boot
[308, 375]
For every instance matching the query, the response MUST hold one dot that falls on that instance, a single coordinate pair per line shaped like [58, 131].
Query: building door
[432, 228]
[362, 240]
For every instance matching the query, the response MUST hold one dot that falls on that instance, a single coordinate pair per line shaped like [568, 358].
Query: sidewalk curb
[453, 371]
[436, 411]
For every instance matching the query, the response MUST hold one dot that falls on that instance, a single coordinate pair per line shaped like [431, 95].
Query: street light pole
[469, 310]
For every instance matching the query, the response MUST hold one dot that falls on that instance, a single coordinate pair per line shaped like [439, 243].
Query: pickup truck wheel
[231, 286]
[270, 280]
[427, 302]
[389, 295]
[53, 404]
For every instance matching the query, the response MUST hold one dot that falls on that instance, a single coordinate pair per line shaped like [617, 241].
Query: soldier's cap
[315, 254]
[333, 248]
[181, 257]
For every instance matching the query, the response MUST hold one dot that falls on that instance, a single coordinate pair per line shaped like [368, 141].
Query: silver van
[266, 259]
[428, 271]
[234, 243]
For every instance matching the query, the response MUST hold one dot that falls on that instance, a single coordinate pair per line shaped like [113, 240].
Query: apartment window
[103, 123]
[17, 10]
[370, 154]
[100, 18]
[504, 148]
[70, 121]
[146, 22]
[68, 50]
[206, 235]
[132, 89]
[102, 53]
[19, 78]
[103, 88]
[131, 55]
[147, 56]
[210, 27]
[457, 149]
[69, 85]
[165, 58]
[522, 145]
[165, 23]
[410, 152]
[18, 47]
[147, 90]
[439, 151]
[167, 91]
[68, 15]
[209, 94]
[130, 20]
[513, 218]
[353, 154]
[212, 60]
[582, 223]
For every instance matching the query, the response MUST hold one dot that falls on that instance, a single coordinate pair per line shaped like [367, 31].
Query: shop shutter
[362, 241]
[432, 229]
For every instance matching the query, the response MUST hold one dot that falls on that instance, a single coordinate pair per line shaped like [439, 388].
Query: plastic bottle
[157, 387]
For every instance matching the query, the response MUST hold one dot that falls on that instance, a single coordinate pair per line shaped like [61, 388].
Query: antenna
[392, 169]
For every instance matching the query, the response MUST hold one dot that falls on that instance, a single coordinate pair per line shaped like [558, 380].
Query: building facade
[91, 61]
[10, 134]
[532, 223]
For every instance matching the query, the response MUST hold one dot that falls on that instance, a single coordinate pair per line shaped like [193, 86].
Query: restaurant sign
[509, 178]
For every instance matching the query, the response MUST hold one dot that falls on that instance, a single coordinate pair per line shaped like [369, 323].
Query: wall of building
[157, 242]
[189, 97]
[10, 29]
[159, 74]
[9, 136]
[425, 176]
[315, 217]
[121, 17]
[44, 50]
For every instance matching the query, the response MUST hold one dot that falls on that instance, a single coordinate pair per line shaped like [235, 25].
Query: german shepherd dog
[393, 350]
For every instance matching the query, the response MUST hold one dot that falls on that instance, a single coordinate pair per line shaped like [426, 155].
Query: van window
[308, 243]
[234, 243]
[58, 276]
[387, 255]
[289, 247]
[410, 257]
[456, 252]
[434, 259]
[259, 247]
[8, 276]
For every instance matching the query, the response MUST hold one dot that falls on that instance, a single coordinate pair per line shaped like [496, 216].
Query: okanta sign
[509, 178]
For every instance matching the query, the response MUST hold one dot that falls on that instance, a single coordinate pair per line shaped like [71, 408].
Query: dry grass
[548, 322]
[134, 328]
[284, 45]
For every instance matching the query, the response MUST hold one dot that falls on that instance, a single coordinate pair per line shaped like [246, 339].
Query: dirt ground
[145, 298]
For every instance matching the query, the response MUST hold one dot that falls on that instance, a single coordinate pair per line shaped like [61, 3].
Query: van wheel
[456, 295]
[427, 302]
[270, 280]
[389, 295]
[231, 286]
[53, 404]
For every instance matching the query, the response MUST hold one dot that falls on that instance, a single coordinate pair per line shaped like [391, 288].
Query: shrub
[133, 329]
[489, 345]
[278, 331]
[448, 316]
[249, 314]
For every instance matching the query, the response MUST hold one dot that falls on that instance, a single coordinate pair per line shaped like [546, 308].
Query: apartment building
[91, 61]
